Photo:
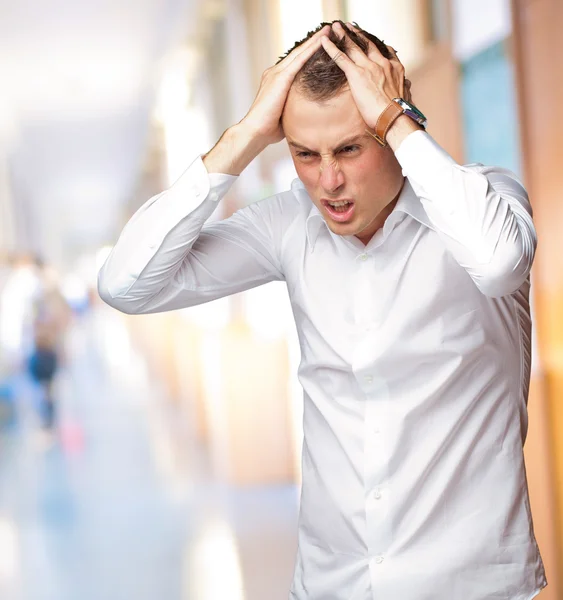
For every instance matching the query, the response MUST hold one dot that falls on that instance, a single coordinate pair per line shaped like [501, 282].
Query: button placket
[363, 291]
[377, 479]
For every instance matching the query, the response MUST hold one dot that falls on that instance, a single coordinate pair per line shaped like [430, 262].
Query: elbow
[115, 300]
[505, 273]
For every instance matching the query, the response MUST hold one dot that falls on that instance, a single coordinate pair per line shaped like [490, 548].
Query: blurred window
[477, 25]
[400, 24]
[297, 18]
[437, 15]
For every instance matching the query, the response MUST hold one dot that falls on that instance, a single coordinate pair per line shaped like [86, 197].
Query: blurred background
[157, 456]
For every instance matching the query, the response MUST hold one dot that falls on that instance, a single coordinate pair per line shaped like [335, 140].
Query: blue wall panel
[490, 117]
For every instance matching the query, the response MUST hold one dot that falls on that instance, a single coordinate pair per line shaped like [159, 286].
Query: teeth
[343, 203]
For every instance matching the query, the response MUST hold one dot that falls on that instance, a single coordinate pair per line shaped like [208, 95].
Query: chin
[344, 228]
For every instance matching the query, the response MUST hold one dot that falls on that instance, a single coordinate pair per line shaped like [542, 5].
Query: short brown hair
[321, 78]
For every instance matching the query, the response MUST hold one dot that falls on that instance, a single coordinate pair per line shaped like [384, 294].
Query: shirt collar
[408, 203]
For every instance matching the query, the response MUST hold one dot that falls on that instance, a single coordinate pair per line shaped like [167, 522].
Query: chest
[405, 295]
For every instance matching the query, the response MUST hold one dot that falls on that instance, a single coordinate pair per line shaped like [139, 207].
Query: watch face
[411, 110]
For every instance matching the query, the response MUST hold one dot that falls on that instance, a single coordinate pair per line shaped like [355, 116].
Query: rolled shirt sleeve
[482, 213]
[167, 257]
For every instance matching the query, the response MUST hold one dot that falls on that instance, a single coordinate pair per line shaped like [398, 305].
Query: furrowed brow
[351, 141]
[348, 142]
[299, 146]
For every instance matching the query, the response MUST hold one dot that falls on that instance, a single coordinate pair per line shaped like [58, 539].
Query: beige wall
[539, 58]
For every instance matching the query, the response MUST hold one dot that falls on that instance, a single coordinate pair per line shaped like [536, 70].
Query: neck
[379, 221]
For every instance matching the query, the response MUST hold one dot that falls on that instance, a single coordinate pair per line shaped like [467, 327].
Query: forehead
[321, 125]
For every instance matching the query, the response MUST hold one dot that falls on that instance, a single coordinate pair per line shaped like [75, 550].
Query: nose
[331, 178]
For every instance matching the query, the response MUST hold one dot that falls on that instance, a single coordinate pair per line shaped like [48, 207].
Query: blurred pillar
[399, 24]
[539, 59]
[8, 134]
[435, 84]
[248, 408]
[334, 9]
[7, 217]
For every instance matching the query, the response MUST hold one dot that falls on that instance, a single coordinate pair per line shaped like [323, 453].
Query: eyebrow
[347, 142]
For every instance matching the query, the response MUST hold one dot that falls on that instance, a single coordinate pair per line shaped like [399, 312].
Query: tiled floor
[121, 506]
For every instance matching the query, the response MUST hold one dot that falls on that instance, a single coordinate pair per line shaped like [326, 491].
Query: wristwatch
[395, 108]
[411, 111]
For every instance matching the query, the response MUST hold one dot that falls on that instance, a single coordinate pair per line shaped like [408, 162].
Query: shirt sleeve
[167, 257]
[482, 213]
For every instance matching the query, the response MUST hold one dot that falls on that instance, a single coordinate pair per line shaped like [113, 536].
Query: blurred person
[7, 387]
[21, 281]
[51, 318]
[409, 278]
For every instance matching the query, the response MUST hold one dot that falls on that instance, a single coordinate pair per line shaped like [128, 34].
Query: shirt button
[377, 430]
[363, 256]
[377, 494]
[379, 559]
[368, 379]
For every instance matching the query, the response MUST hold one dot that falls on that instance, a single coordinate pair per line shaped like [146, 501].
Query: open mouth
[339, 210]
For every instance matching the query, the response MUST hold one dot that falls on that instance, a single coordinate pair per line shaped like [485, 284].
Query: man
[409, 279]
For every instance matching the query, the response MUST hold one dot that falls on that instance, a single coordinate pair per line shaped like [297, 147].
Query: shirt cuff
[195, 194]
[197, 183]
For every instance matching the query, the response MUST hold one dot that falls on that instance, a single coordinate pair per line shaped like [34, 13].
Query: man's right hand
[265, 113]
[261, 126]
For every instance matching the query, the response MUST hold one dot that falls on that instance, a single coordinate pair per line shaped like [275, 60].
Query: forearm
[157, 238]
[234, 151]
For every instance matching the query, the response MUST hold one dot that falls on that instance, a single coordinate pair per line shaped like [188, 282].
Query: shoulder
[282, 209]
[504, 181]
[495, 172]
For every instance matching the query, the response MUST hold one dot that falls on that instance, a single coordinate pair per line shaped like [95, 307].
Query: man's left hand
[373, 79]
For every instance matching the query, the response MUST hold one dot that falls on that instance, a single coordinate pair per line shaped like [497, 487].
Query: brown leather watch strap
[392, 112]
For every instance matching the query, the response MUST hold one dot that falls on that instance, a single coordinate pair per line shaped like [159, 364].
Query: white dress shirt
[415, 367]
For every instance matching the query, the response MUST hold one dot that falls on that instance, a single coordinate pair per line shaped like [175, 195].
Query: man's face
[338, 161]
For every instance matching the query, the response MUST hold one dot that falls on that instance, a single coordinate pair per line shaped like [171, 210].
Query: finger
[309, 47]
[339, 57]
[353, 51]
[373, 53]
[397, 64]
[293, 67]
[393, 53]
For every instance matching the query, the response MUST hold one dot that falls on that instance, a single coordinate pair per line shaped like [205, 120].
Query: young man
[409, 280]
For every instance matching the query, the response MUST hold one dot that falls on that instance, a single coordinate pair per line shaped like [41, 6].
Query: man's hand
[264, 115]
[373, 79]
[242, 143]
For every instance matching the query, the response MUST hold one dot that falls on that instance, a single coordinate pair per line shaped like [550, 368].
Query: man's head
[321, 78]
[335, 158]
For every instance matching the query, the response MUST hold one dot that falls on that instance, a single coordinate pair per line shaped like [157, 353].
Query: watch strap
[391, 112]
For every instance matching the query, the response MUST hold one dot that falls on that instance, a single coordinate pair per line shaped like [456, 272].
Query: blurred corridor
[120, 502]
[158, 456]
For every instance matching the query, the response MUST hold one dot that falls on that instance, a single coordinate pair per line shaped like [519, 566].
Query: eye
[349, 149]
[305, 155]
